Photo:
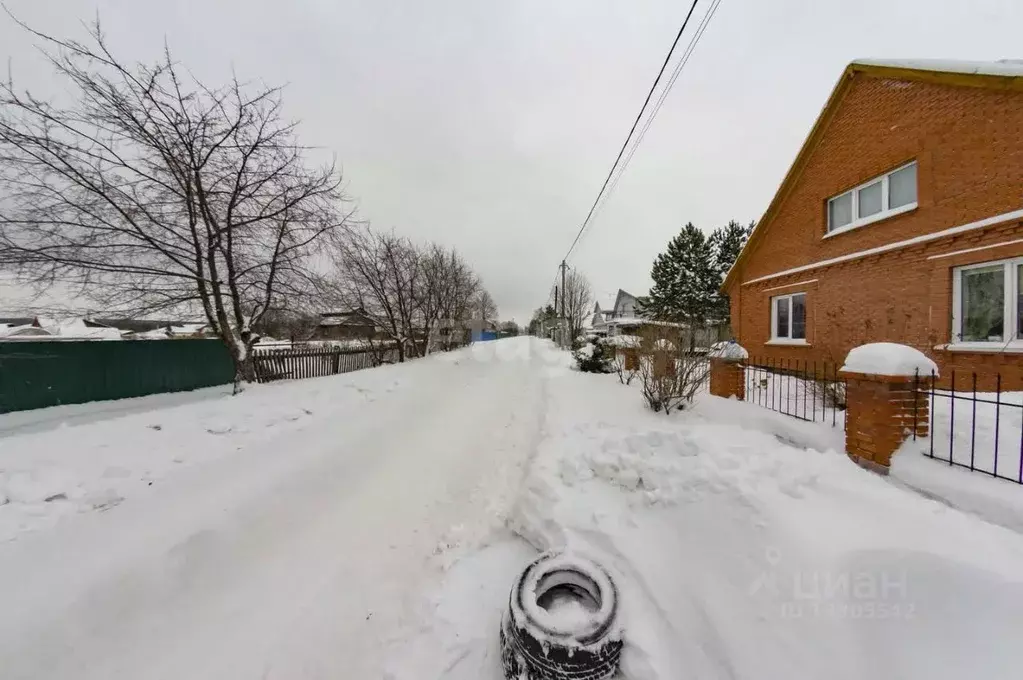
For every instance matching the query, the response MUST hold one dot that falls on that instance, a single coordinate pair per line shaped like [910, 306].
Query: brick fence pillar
[881, 411]
[727, 372]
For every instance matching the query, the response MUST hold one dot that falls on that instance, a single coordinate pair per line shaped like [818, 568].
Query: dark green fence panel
[38, 374]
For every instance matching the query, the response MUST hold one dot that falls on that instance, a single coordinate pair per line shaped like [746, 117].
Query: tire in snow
[561, 622]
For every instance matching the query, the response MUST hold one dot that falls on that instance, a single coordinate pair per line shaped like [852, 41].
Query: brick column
[880, 412]
[727, 372]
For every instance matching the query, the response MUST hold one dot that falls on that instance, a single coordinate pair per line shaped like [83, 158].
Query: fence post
[727, 372]
[884, 406]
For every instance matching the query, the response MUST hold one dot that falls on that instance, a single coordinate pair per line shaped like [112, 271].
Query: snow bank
[731, 529]
[888, 358]
[994, 500]
[744, 544]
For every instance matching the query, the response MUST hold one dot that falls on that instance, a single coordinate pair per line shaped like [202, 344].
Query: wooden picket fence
[315, 362]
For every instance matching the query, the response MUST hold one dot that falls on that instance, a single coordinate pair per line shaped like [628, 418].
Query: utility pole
[555, 306]
[564, 318]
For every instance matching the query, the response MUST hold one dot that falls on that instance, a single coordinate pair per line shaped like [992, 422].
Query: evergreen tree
[685, 280]
[726, 243]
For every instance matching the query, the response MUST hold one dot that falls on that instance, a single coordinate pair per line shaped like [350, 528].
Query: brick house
[900, 220]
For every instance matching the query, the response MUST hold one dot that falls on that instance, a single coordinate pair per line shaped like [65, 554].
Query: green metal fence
[38, 374]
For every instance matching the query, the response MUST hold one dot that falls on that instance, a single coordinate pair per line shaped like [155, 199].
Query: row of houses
[40, 328]
[900, 220]
[356, 324]
[349, 325]
[622, 317]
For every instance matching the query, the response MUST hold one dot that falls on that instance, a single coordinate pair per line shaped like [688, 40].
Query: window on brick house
[788, 317]
[881, 197]
[987, 303]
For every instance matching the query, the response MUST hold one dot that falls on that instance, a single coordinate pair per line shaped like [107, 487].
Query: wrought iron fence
[976, 429]
[315, 362]
[808, 390]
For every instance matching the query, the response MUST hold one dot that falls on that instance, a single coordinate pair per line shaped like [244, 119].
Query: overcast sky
[490, 125]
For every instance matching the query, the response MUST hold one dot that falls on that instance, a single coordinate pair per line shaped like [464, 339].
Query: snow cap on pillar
[728, 351]
[889, 359]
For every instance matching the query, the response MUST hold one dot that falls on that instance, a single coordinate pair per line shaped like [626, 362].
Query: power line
[660, 101]
[635, 124]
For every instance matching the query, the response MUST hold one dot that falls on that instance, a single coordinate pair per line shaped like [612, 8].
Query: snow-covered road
[370, 525]
[294, 556]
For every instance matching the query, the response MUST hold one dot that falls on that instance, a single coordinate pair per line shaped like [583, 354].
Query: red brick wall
[881, 415]
[727, 379]
[968, 143]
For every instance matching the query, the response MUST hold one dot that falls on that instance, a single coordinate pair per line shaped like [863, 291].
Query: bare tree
[152, 192]
[376, 272]
[447, 288]
[408, 290]
[670, 372]
[484, 307]
[578, 299]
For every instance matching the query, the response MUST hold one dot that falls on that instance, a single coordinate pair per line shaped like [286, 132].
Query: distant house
[598, 320]
[623, 316]
[354, 324]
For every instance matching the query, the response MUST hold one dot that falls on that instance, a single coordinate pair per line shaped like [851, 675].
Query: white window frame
[885, 213]
[1010, 322]
[787, 340]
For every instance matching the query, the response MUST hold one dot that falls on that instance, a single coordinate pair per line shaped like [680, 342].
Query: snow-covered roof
[639, 321]
[187, 329]
[7, 331]
[623, 341]
[77, 328]
[627, 321]
[155, 334]
[1002, 67]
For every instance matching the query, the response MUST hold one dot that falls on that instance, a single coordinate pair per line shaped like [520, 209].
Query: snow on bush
[888, 358]
[594, 358]
[623, 341]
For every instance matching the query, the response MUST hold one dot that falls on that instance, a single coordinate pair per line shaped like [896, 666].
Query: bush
[670, 373]
[623, 368]
[594, 357]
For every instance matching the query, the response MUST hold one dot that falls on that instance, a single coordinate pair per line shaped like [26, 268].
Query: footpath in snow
[370, 525]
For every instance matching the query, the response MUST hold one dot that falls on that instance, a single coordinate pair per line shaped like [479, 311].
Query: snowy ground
[369, 525]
